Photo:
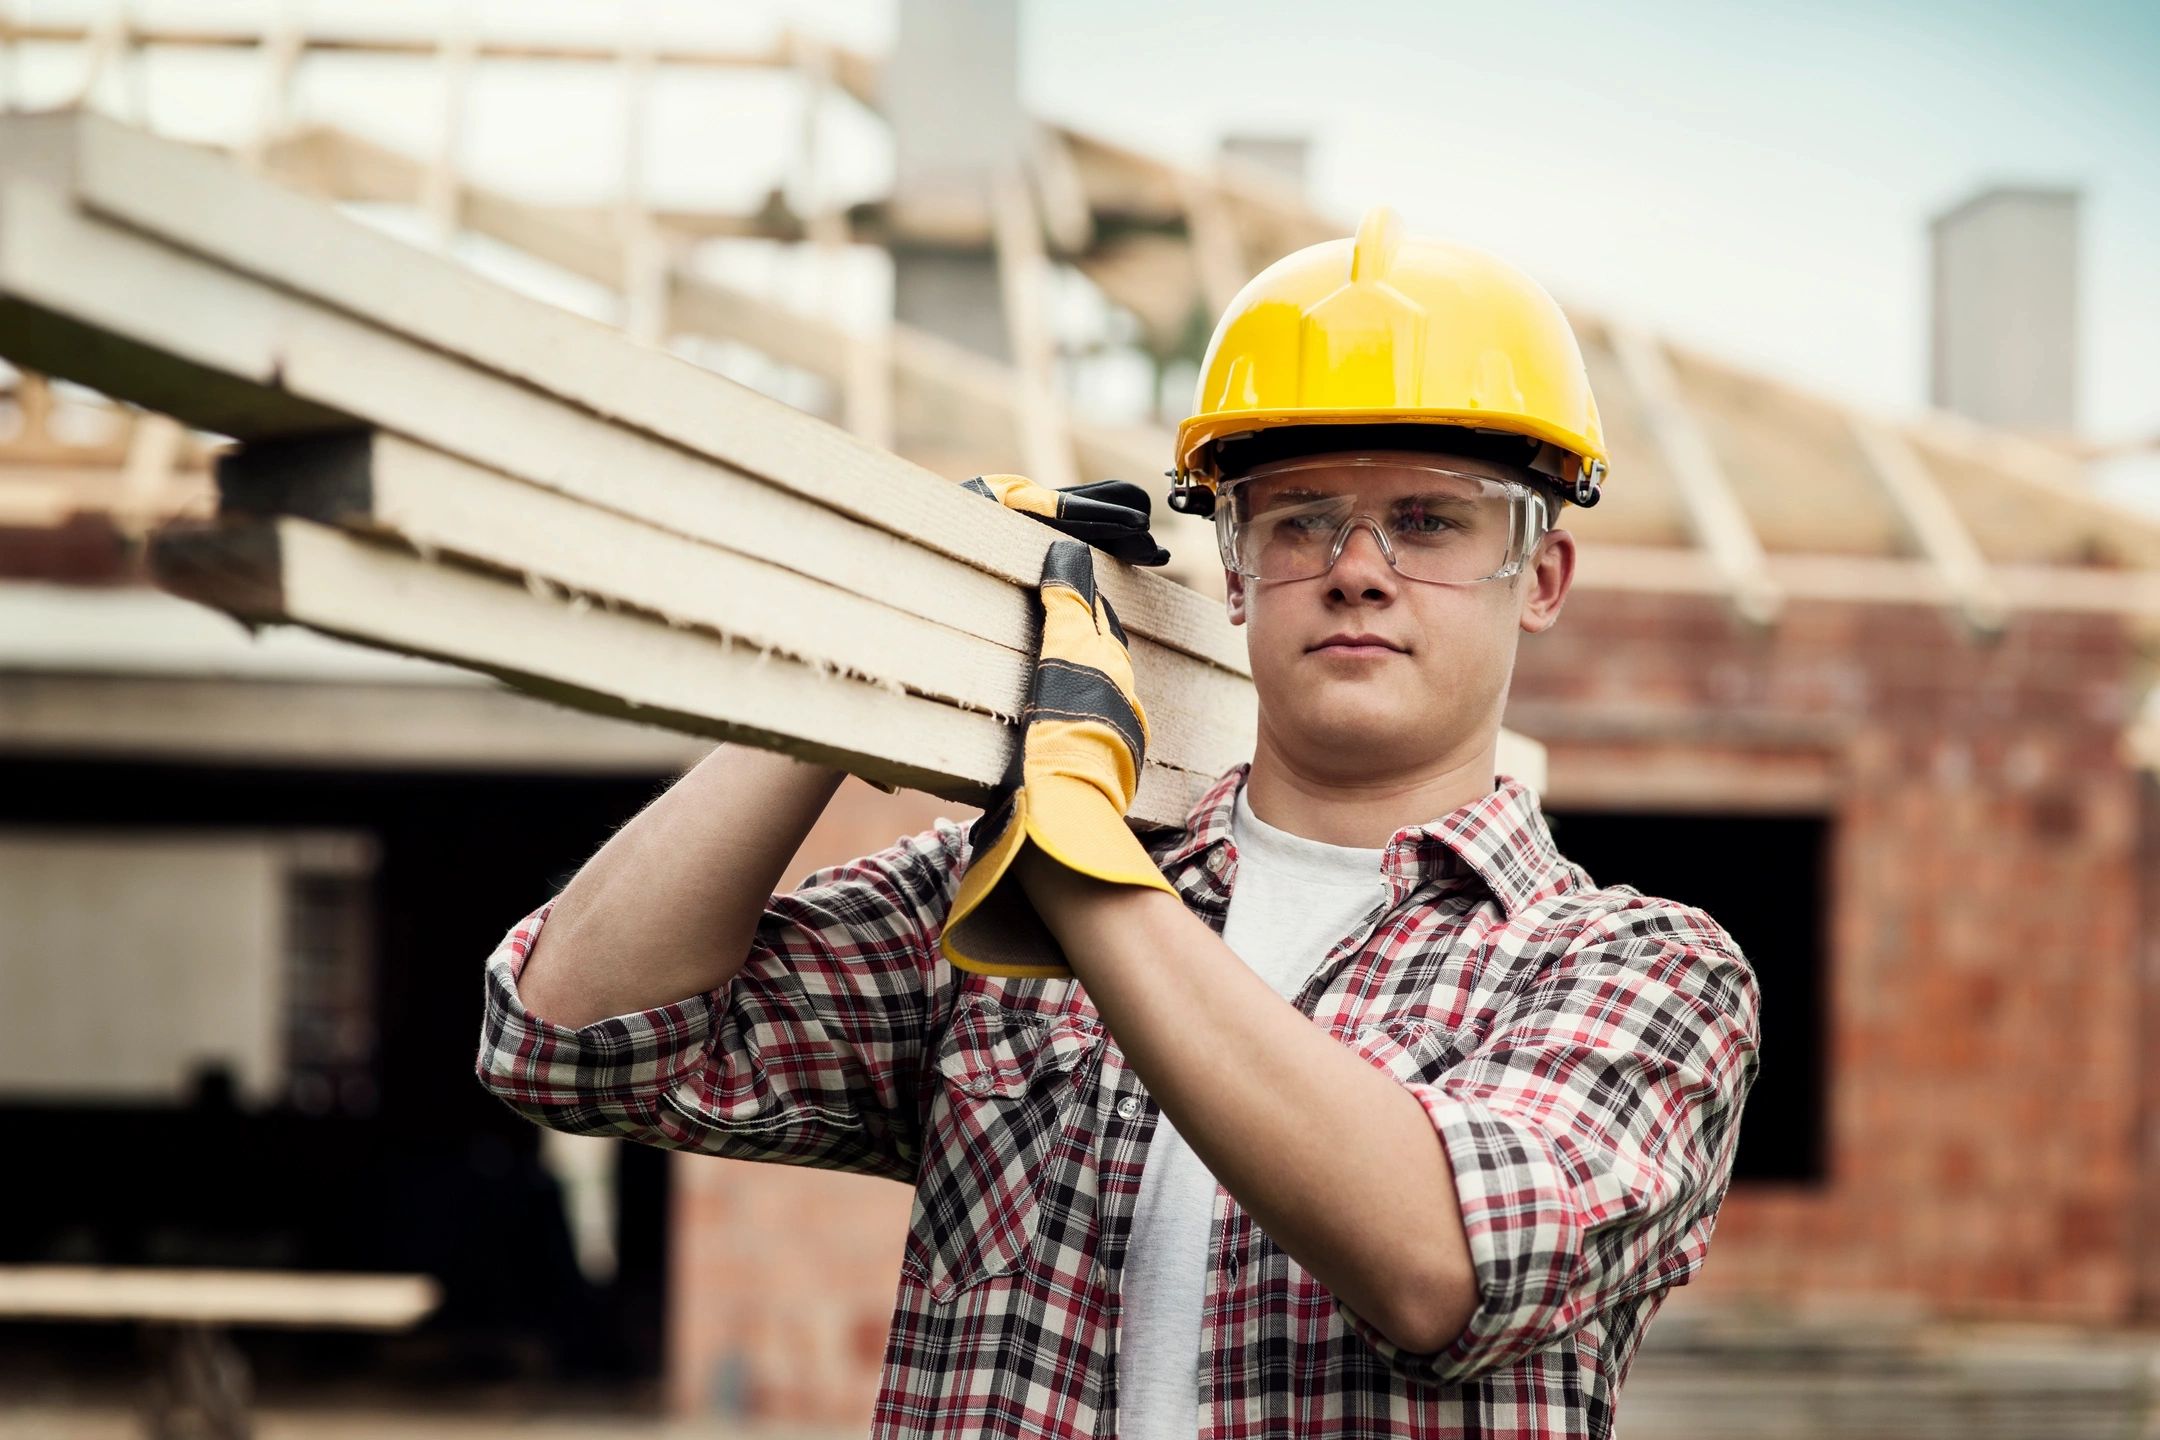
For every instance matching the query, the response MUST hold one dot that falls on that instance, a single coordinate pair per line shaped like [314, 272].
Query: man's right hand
[1111, 515]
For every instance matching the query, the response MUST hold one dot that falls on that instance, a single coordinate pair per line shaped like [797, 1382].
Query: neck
[1365, 810]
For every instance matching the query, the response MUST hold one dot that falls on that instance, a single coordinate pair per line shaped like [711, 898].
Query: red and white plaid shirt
[1583, 1052]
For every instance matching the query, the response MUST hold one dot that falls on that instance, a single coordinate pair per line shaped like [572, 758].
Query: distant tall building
[2005, 329]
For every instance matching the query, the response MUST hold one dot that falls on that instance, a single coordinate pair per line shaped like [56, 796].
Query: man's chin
[1359, 732]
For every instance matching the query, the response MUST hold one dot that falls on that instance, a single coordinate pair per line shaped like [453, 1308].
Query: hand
[1111, 515]
[1083, 739]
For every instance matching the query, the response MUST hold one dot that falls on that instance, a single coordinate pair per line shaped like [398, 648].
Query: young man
[1350, 1108]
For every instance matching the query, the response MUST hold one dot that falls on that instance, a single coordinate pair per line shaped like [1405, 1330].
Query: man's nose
[1362, 569]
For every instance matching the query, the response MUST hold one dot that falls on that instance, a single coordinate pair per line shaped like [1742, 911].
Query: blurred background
[1861, 657]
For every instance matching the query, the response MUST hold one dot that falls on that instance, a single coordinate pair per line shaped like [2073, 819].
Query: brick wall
[1983, 994]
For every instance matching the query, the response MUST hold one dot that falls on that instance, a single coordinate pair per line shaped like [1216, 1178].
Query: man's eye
[1422, 522]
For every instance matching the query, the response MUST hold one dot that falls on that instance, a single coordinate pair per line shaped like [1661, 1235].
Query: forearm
[669, 905]
[1333, 1159]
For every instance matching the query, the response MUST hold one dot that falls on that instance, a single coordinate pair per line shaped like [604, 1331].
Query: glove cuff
[991, 928]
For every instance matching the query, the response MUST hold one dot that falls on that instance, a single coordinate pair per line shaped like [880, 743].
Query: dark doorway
[1764, 879]
[416, 1168]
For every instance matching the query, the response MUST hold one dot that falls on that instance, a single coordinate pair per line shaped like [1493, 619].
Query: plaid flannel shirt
[1583, 1054]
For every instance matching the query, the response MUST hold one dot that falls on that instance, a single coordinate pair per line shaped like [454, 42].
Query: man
[1351, 1108]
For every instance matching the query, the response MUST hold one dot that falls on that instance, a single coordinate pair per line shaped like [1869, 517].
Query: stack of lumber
[430, 463]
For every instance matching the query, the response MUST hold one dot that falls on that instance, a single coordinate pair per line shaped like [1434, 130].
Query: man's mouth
[1360, 643]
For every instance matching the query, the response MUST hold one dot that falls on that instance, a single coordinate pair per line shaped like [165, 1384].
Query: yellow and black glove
[1072, 778]
[1111, 515]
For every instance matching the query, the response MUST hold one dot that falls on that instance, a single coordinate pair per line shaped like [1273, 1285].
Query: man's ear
[1234, 596]
[1546, 580]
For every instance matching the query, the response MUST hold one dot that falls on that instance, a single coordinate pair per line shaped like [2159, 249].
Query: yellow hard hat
[1385, 329]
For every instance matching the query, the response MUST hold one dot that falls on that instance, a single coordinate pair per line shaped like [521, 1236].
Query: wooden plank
[854, 72]
[281, 59]
[205, 205]
[1721, 527]
[442, 506]
[1067, 218]
[515, 431]
[974, 399]
[323, 354]
[154, 451]
[1932, 524]
[282, 569]
[303, 1300]
[173, 306]
[865, 369]
[645, 264]
[440, 197]
[1023, 281]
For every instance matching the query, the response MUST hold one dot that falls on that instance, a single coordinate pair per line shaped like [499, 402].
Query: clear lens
[1291, 521]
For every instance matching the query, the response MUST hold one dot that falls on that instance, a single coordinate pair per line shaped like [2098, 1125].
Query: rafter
[1932, 524]
[1720, 526]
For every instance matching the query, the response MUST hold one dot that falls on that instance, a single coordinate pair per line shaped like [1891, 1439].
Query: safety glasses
[1290, 520]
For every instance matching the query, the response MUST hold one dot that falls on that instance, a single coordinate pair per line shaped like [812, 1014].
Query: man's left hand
[1083, 740]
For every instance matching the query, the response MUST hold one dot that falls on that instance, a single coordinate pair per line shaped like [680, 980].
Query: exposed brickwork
[1983, 993]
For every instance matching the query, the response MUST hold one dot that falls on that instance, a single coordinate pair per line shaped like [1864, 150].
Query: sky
[1755, 179]
[1752, 179]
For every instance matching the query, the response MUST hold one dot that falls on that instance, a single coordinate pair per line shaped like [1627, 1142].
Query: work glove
[1111, 515]
[1070, 782]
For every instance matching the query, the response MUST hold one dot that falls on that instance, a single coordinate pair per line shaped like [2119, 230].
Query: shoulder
[916, 870]
[1583, 927]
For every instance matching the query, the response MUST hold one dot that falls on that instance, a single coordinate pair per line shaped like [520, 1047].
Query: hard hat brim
[1197, 437]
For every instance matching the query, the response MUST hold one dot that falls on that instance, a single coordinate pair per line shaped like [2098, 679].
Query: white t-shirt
[1291, 901]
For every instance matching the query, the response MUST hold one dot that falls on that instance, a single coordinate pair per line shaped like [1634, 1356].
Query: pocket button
[1128, 1107]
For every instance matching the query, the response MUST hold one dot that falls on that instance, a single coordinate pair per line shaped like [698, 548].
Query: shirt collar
[1501, 837]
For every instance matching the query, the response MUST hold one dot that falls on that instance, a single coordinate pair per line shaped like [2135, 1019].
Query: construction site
[376, 538]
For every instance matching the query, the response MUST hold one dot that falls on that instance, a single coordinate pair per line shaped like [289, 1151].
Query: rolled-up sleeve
[1592, 1133]
[808, 1056]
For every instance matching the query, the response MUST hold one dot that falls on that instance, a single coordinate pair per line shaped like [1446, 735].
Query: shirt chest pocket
[1007, 1084]
[1415, 1051]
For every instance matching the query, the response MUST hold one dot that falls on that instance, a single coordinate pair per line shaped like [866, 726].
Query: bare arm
[1339, 1156]
[669, 906]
